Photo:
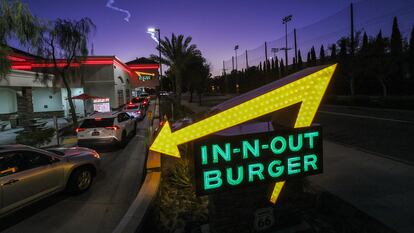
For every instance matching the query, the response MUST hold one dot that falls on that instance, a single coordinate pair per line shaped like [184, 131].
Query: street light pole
[160, 62]
[285, 21]
[152, 31]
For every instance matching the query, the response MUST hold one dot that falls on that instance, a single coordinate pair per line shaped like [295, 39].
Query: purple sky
[216, 26]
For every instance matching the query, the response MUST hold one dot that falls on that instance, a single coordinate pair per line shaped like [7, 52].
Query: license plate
[95, 133]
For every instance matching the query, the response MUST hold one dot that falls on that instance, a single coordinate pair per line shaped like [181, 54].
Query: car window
[132, 107]
[97, 123]
[8, 164]
[18, 161]
[123, 117]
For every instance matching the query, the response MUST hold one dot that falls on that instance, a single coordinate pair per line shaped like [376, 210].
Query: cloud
[153, 36]
[109, 5]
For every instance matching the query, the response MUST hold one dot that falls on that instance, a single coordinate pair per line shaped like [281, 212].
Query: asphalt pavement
[100, 208]
[384, 132]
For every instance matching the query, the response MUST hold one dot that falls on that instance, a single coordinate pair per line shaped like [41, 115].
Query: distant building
[147, 72]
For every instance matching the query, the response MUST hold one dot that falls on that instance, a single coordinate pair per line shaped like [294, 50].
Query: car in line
[143, 100]
[112, 128]
[29, 174]
[137, 111]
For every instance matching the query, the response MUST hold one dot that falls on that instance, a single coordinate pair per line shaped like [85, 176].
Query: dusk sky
[216, 26]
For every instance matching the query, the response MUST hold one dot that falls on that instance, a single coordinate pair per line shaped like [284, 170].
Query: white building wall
[123, 85]
[8, 100]
[79, 105]
[46, 100]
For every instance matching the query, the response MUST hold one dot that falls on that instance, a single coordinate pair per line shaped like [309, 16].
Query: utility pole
[352, 31]
[266, 52]
[296, 47]
[247, 61]
[232, 62]
[285, 21]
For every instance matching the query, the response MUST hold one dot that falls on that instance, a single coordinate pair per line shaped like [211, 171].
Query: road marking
[367, 117]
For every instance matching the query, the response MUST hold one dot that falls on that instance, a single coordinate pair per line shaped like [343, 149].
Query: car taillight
[79, 130]
[114, 127]
[139, 112]
[161, 123]
[96, 155]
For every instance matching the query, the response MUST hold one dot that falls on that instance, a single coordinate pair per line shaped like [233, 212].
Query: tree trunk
[352, 86]
[71, 105]
[384, 87]
[178, 86]
[199, 98]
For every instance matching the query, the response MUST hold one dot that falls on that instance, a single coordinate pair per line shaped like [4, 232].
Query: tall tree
[260, 67]
[268, 65]
[333, 52]
[300, 62]
[277, 67]
[396, 40]
[342, 47]
[282, 68]
[308, 59]
[177, 53]
[16, 23]
[66, 42]
[313, 55]
[364, 46]
[380, 63]
[411, 53]
[322, 54]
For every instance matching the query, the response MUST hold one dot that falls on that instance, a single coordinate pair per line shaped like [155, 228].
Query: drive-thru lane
[100, 208]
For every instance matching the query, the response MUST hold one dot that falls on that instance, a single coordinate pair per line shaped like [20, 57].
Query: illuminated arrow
[308, 90]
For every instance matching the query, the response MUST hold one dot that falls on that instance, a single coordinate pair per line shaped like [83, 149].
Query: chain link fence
[370, 16]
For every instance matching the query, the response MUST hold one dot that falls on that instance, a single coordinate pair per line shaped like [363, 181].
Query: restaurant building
[31, 88]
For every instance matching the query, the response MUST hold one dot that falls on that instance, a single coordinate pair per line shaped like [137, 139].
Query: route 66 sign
[263, 219]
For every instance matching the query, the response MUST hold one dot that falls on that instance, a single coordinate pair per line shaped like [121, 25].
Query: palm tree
[177, 53]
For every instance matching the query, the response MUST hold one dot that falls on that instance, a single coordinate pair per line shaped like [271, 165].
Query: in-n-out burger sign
[223, 163]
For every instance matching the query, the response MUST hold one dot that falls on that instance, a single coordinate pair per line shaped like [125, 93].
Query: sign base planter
[247, 209]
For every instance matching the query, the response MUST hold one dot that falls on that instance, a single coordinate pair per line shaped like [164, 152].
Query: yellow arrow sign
[308, 90]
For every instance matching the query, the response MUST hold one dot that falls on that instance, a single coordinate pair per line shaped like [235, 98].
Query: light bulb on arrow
[308, 91]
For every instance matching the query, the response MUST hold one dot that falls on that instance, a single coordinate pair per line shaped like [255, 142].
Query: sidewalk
[382, 188]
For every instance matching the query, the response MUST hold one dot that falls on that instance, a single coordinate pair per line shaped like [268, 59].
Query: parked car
[135, 110]
[163, 93]
[29, 174]
[106, 128]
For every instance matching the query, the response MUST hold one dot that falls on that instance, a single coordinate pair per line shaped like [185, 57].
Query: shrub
[36, 138]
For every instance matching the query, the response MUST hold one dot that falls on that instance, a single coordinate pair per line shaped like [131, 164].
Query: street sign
[230, 162]
[149, 115]
[263, 219]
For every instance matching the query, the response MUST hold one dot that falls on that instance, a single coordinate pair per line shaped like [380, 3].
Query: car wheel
[123, 142]
[134, 132]
[80, 180]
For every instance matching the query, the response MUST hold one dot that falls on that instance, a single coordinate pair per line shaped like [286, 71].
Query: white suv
[106, 128]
